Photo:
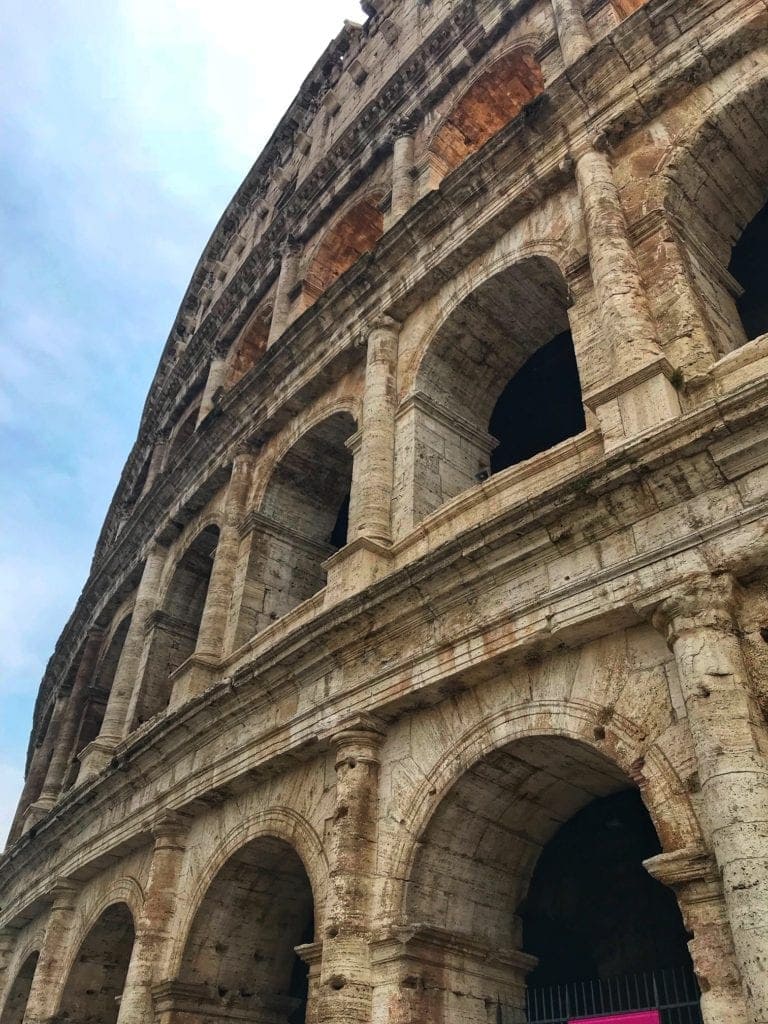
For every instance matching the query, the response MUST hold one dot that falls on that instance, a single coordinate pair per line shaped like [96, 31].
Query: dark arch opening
[498, 383]
[592, 910]
[513, 859]
[174, 629]
[16, 1000]
[240, 955]
[749, 265]
[540, 406]
[96, 698]
[97, 978]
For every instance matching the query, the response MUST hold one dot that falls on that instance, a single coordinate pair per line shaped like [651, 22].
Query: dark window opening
[540, 407]
[338, 536]
[592, 910]
[749, 267]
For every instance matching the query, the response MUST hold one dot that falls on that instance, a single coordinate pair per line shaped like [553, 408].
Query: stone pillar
[156, 460]
[116, 717]
[692, 874]
[213, 625]
[403, 189]
[312, 954]
[49, 980]
[217, 374]
[289, 272]
[638, 382]
[345, 985]
[154, 927]
[377, 440]
[63, 753]
[572, 29]
[38, 768]
[725, 726]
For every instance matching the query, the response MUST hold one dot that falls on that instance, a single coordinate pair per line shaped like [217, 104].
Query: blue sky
[124, 129]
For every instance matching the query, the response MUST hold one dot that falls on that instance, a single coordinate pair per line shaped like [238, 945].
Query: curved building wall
[349, 670]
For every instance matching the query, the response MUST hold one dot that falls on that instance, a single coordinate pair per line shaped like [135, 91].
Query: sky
[125, 127]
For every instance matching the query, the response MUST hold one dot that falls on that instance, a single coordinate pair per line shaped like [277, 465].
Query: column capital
[683, 867]
[64, 894]
[171, 826]
[384, 322]
[705, 602]
[404, 127]
[357, 739]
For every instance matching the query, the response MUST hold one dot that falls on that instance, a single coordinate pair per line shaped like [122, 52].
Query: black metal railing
[673, 991]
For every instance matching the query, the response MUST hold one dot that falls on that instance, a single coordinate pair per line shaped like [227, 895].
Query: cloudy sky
[124, 129]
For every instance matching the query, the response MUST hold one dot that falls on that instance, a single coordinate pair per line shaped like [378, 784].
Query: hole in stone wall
[540, 407]
[750, 268]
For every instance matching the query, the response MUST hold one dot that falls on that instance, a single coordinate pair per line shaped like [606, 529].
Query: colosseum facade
[421, 675]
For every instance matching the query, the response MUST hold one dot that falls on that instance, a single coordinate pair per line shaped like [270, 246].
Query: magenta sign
[642, 1017]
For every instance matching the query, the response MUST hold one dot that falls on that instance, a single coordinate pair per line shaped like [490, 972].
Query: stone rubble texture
[257, 735]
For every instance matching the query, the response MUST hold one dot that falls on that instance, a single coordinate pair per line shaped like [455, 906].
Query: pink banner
[643, 1017]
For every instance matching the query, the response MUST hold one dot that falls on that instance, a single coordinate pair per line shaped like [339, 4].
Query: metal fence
[674, 992]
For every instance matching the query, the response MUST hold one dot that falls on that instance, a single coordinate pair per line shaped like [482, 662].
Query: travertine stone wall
[333, 686]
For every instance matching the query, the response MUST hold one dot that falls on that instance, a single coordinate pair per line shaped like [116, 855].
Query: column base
[354, 567]
[191, 679]
[638, 403]
[95, 757]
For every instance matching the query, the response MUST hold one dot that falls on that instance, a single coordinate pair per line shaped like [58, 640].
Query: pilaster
[48, 980]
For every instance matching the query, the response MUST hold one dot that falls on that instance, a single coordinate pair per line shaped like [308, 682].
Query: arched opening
[302, 522]
[18, 994]
[95, 984]
[498, 384]
[492, 101]
[249, 348]
[181, 437]
[174, 628]
[749, 266]
[716, 195]
[240, 962]
[539, 848]
[96, 698]
[353, 235]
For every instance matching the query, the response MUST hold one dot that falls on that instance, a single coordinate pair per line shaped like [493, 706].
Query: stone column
[49, 980]
[116, 717]
[217, 374]
[345, 984]
[403, 190]
[63, 753]
[572, 30]
[38, 768]
[636, 361]
[213, 624]
[156, 460]
[154, 927]
[692, 874]
[377, 448]
[289, 272]
[726, 727]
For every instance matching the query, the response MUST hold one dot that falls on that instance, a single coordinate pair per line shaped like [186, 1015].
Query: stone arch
[98, 692]
[623, 8]
[95, 972]
[174, 627]
[489, 817]
[249, 347]
[621, 740]
[500, 359]
[713, 187]
[254, 902]
[493, 98]
[300, 518]
[14, 1005]
[353, 233]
